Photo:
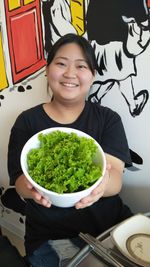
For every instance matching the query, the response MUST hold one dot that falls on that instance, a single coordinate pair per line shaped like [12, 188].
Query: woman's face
[69, 75]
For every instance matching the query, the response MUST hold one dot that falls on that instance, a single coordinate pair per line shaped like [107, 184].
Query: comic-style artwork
[61, 17]
[118, 30]
[126, 35]
[11, 201]
[3, 79]
[21, 43]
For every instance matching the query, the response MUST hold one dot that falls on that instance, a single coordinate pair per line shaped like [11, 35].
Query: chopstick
[106, 253]
[99, 249]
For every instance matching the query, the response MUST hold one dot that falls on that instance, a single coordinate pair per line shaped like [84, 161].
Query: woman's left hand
[96, 194]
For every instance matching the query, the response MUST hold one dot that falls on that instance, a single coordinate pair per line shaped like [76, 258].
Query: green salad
[63, 162]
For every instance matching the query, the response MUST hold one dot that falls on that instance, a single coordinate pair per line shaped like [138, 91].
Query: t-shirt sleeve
[18, 137]
[114, 141]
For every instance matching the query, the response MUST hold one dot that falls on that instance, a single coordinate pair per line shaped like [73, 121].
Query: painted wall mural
[24, 40]
[3, 79]
[126, 35]
[119, 32]
[123, 34]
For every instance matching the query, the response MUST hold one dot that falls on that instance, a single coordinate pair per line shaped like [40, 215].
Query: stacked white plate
[132, 238]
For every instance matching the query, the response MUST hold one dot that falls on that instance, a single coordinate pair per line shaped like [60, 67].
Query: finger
[98, 190]
[108, 166]
[44, 202]
[88, 201]
[29, 185]
[81, 205]
[40, 199]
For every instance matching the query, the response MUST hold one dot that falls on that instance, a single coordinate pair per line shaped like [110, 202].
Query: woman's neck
[63, 113]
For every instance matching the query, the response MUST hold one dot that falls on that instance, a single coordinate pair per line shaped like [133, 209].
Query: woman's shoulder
[31, 112]
[102, 111]
[29, 115]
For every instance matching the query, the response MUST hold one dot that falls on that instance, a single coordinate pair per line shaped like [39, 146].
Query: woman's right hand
[26, 190]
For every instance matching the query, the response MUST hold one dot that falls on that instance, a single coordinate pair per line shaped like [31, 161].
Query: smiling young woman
[51, 236]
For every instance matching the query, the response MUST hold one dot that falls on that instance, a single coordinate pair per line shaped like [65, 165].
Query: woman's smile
[70, 85]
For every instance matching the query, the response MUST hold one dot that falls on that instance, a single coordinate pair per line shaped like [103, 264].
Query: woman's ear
[95, 71]
[46, 71]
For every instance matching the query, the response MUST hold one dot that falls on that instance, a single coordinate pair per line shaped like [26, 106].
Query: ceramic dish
[64, 200]
[132, 238]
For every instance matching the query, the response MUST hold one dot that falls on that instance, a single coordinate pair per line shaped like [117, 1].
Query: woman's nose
[70, 72]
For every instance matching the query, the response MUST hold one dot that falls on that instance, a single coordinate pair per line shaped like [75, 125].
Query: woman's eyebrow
[61, 57]
[78, 59]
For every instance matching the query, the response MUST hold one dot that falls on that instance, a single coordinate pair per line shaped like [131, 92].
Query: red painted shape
[25, 40]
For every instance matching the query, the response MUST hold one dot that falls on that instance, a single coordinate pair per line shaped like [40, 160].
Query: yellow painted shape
[3, 78]
[26, 2]
[13, 4]
[78, 15]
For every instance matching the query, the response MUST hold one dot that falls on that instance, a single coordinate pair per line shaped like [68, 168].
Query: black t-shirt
[42, 223]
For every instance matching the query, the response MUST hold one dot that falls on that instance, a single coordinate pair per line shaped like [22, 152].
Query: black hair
[83, 44]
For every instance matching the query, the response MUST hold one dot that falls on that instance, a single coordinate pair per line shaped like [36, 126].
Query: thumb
[108, 167]
[29, 185]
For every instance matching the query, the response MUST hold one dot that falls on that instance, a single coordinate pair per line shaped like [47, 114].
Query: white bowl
[66, 199]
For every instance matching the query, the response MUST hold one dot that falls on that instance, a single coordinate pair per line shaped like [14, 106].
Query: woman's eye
[82, 67]
[60, 64]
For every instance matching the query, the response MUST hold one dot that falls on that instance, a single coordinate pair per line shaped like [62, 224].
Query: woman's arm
[115, 173]
[20, 134]
[110, 185]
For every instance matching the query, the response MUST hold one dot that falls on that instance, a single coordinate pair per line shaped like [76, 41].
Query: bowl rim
[64, 129]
